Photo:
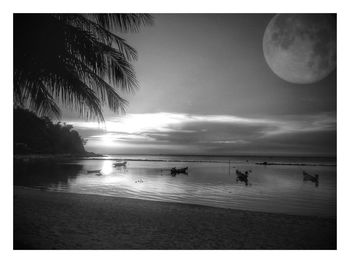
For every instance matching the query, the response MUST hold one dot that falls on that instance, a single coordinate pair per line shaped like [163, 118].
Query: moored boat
[117, 164]
[179, 171]
[242, 177]
[309, 177]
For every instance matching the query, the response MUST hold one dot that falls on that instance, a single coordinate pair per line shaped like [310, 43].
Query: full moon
[301, 48]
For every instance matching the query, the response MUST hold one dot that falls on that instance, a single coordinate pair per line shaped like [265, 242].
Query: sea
[278, 186]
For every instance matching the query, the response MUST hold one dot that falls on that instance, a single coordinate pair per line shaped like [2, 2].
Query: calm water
[275, 188]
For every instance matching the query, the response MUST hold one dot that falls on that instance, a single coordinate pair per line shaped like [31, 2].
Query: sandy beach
[52, 220]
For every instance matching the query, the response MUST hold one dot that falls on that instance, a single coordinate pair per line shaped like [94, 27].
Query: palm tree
[74, 59]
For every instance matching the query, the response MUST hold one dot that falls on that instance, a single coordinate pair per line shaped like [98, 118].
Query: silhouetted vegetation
[40, 135]
[74, 59]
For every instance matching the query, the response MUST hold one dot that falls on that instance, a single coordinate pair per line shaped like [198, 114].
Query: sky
[205, 88]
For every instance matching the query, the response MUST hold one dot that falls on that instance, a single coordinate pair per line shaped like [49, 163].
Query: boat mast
[229, 167]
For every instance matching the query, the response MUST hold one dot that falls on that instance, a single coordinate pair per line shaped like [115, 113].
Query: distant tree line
[37, 135]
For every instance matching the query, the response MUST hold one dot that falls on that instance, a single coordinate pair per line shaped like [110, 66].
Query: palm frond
[105, 92]
[74, 59]
[122, 22]
[107, 37]
[35, 96]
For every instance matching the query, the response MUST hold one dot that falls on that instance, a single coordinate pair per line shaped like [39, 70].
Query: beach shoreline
[55, 220]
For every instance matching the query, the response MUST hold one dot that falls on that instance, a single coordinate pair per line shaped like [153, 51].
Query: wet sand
[52, 220]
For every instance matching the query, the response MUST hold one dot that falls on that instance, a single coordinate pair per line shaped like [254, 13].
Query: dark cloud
[214, 134]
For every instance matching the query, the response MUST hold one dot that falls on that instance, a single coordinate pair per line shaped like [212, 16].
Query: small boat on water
[242, 177]
[241, 174]
[118, 164]
[93, 171]
[309, 177]
[175, 171]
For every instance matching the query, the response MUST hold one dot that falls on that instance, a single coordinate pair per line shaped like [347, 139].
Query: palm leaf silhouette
[74, 59]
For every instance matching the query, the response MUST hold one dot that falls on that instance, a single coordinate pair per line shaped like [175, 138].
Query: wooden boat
[241, 174]
[242, 177]
[118, 164]
[179, 171]
[93, 171]
[309, 177]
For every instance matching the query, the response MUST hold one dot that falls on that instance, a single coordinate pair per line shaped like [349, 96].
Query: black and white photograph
[174, 131]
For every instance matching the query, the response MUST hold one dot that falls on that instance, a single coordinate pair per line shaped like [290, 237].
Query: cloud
[213, 134]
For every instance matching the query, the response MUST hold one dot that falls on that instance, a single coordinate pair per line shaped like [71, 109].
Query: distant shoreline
[55, 220]
[227, 156]
[295, 164]
[98, 157]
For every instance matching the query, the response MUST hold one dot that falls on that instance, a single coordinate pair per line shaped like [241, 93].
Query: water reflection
[107, 167]
[43, 174]
[173, 171]
[112, 180]
[274, 189]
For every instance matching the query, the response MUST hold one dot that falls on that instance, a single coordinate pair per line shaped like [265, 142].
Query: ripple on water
[270, 189]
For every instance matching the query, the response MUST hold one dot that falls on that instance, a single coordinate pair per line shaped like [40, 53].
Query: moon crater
[301, 48]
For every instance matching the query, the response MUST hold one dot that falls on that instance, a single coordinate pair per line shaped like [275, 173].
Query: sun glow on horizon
[163, 122]
[159, 132]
